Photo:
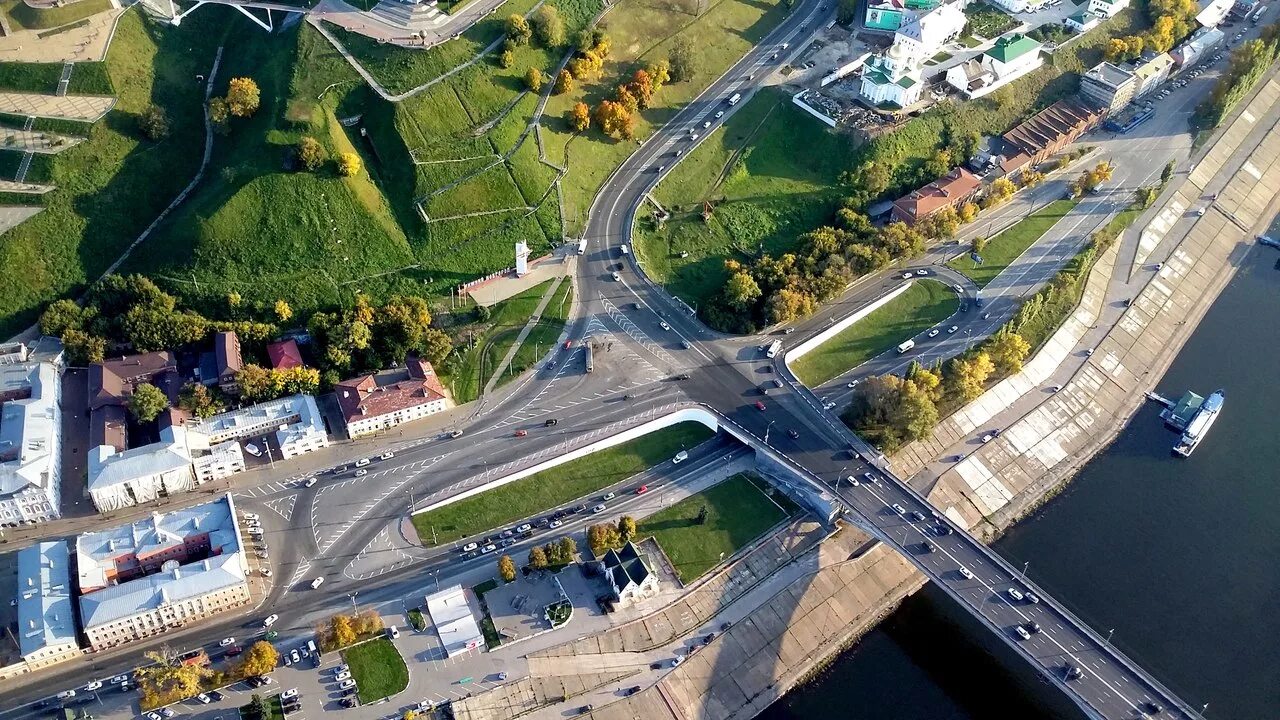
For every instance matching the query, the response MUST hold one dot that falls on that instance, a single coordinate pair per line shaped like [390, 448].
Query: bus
[773, 348]
[1257, 14]
[587, 344]
[582, 246]
[733, 100]
[904, 347]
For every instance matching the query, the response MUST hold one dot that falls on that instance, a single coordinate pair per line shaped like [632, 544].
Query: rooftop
[108, 467]
[385, 393]
[1113, 76]
[295, 417]
[284, 354]
[45, 616]
[944, 191]
[1011, 47]
[28, 426]
[169, 586]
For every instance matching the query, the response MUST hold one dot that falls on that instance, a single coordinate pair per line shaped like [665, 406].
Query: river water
[1180, 557]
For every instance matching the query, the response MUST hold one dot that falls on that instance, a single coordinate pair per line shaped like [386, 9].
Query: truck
[906, 346]
[582, 246]
[1257, 14]
[773, 348]
[733, 99]
[590, 365]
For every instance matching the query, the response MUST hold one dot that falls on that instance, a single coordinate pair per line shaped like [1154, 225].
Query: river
[1180, 557]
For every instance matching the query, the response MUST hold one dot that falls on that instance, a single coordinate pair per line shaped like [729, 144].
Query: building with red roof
[384, 400]
[284, 355]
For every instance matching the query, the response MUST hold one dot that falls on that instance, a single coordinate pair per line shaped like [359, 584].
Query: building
[14, 353]
[893, 76]
[111, 384]
[1151, 72]
[955, 188]
[1012, 57]
[1012, 6]
[133, 477]
[454, 617]
[1201, 44]
[888, 15]
[141, 579]
[284, 355]
[46, 632]
[1082, 22]
[220, 366]
[1108, 86]
[1045, 133]
[377, 402]
[30, 440]
[1213, 12]
[1107, 8]
[629, 574]
[294, 421]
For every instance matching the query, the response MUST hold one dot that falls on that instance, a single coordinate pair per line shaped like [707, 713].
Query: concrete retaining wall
[808, 346]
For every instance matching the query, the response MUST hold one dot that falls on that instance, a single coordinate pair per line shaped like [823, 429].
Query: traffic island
[377, 668]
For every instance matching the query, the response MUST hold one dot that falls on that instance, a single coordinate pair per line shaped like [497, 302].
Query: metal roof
[163, 588]
[45, 616]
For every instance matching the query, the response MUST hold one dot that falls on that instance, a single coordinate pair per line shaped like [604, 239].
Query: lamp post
[766, 431]
[353, 595]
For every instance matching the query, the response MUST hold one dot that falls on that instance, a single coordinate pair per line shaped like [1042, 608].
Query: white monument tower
[522, 258]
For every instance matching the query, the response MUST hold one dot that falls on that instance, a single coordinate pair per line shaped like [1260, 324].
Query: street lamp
[353, 595]
[1109, 634]
[766, 431]
[1025, 565]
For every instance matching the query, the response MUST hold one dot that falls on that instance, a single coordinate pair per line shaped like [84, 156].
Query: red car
[521, 433]
[568, 344]
[759, 405]
[642, 489]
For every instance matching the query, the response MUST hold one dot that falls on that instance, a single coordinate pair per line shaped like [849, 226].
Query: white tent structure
[455, 619]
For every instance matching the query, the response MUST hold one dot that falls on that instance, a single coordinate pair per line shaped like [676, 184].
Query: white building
[46, 621]
[1107, 8]
[30, 440]
[139, 475]
[1213, 12]
[214, 462]
[295, 421]
[378, 402]
[629, 574]
[1082, 22]
[141, 579]
[894, 75]
[1012, 57]
[454, 618]
[1012, 6]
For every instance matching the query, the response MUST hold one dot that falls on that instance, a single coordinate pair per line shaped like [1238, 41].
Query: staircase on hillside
[67, 67]
[411, 16]
[25, 165]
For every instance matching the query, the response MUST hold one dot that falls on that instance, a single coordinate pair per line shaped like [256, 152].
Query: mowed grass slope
[544, 491]
[925, 304]
[738, 511]
[114, 184]
[770, 174]
[1004, 248]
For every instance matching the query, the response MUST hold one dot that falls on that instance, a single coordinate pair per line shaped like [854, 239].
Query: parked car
[386, 455]
[290, 693]
[253, 450]
[348, 683]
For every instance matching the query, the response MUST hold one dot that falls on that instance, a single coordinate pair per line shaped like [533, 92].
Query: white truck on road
[904, 347]
[582, 246]
[773, 348]
[733, 99]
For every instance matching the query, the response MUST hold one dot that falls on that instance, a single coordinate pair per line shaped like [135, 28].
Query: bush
[154, 123]
[310, 154]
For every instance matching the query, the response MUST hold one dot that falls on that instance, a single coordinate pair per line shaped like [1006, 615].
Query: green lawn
[988, 21]
[926, 304]
[556, 486]
[30, 77]
[970, 41]
[377, 668]
[1004, 248]
[737, 513]
[544, 335]
[478, 360]
[114, 184]
[770, 172]
[25, 17]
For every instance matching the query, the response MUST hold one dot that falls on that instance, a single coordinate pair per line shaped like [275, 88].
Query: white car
[1014, 594]
[720, 114]
[344, 675]
[608, 496]
[828, 406]
[265, 572]
[951, 330]
[852, 480]
[66, 694]
[899, 509]
[907, 276]
[253, 450]
[470, 546]
[290, 693]
[317, 582]
[167, 712]
[598, 509]
[251, 516]
[680, 457]
[153, 716]
[706, 125]
[341, 668]
[1022, 632]
[663, 324]
[922, 273]
[966, 573]
[524, 528]
[488, 549]
[227, 641]
[293, 655]
[987, 438]
[934, 332]
[555, 524]
[386, 455]
[310, 482]
[271, 620]
[119, 679]
[361, 472]
[204, 698]
[362, 462]
[95, 685]
[347, 683]
[852, 384]
[693, 137]
[616, 277]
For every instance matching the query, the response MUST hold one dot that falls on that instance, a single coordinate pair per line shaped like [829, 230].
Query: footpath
[534, 319]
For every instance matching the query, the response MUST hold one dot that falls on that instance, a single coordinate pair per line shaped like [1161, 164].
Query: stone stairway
[23, 167]
[66, 78]
[419, 16]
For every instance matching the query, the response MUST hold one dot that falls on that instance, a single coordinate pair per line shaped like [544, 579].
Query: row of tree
[603, 536]
[556, 553]
[344, 629]
[366, 336]
[170, 678]
[1089, 180]
[1248, 64]
[311, 156]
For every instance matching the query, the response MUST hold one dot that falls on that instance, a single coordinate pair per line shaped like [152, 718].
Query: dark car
[1032, 626]
[682, 376]
[1151, 708]
[1074, 672]
[233, 651]
[792, 432]
[348, 702]
[585, 709]
[917, 515]
[216, 696]
[927, 546]
[550, 422]
[633, 689]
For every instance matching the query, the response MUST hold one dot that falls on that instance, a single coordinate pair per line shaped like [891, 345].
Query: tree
[436, 346]
[627, 527]
[978, 244]
[147, 402]
[283, 311]
[155, 327]
[968, 212]
[966, 378]
[916, 414]
[506, 568]
[1167, 173]
[260, 707]
[786, 305]
[533, 78]
[568, 548]
[219, 111]
[154, 123]
[702, 515]
[564, 83]
[254, 382]
[1116, 50]
[642, 87]
[83, 348]
[349, 164]
[614, 119]
[61, 316]
[1032, 178]
[538, 558]
[310, 153]
[741, 291]
[1002, 189]
[579, 117]
[548, 27]
[627, 99]
[198, 401]
[341, 630]
[242, 96]
[659, 74]
[260, 659]
[603, 536]
[683, 59]
[1007, 350]
[518, 30]
[846, 11]
[507, 59]
[937, 165]
[167, 679]
[1161, 37]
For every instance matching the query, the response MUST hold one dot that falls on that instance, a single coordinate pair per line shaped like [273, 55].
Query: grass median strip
[377, 668]
[556, 486]
[737, 512]
[926, 304]
[1004, 248]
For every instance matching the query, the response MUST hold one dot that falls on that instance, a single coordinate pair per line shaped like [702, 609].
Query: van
[904, 347]
[311, 645]
[624, 249]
